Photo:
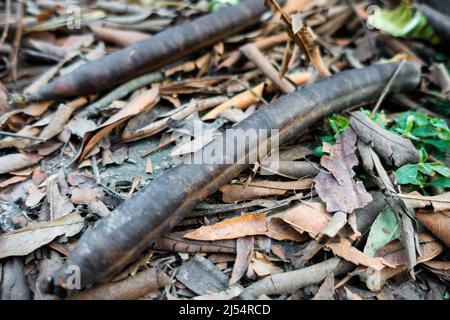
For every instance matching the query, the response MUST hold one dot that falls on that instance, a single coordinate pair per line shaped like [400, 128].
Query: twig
[17, 38]
[304, 38]
[387, 88]
[367, 32]
[254, 55]
[6, 27]
[425, 199]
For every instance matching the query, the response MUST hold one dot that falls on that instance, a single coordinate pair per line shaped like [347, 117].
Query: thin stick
[17, 38]
[387, 88]
[367, 32]
[6, 28]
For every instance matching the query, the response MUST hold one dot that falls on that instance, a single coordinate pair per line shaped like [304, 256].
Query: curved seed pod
[147, 55]
[119, 238]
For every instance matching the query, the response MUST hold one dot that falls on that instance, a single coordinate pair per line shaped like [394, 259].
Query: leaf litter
[290, 222]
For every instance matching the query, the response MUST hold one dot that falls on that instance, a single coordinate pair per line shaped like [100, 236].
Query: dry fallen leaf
[24, 241]
[248, 224]
[338, 189]
[244, 250]
[16, 161]
[438, 223]
[391, 147]
[137, 105]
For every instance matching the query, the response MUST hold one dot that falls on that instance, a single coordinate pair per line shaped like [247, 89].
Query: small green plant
[425, 132]
[424, 174]
[338, 124]
[403, 22]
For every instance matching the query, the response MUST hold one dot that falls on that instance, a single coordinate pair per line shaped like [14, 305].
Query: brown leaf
[84, 194]
[326, 290]
[261, 266]
[28, 239]
[311, 217]
[122, 38]
[60, 205]
[436, 203]
[245, 225]
[393, 148]
[395, 255]
[282, 231]
[244, 249]
[241, 101]
[345, 250]
[79, 126]
[308, 217]
[438, 223]
[137, 105]
[338, 189]
[20, 143]
[16, 161]
[61, 117]
[12, 180]
[34, 197]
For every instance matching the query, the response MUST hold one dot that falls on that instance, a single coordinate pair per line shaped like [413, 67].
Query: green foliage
[426, 132]
[215, 5]
[423, 173]
[338, 124]
[403, 22]
[384, 230]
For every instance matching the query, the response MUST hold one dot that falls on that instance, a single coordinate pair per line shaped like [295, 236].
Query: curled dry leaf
[338, 189]
[395, 255]
[326, 290]
[28, 239]
[438, 223]
[249, 224]
[122, 38]
[61, 117]
[436, 203]
[261, 266]
[244, 250]
[391, 147]
[142, 102]
[311, 217]
[60, 205]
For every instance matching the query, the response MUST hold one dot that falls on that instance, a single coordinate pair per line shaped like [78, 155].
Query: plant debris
[285, 150]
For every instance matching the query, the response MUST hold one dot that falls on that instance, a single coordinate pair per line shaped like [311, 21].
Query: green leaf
[383, 230]
[442, 182]
[407, 174]
[403, 22]
[425, 168]
[443, 170]
[338, 123]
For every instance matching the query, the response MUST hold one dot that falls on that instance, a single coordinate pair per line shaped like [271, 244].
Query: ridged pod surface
[132, 227]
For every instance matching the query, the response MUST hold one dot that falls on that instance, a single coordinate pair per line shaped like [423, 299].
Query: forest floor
[354, 206]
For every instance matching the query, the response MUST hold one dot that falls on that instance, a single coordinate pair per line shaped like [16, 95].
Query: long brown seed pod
[118, 239]
[147, 55]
